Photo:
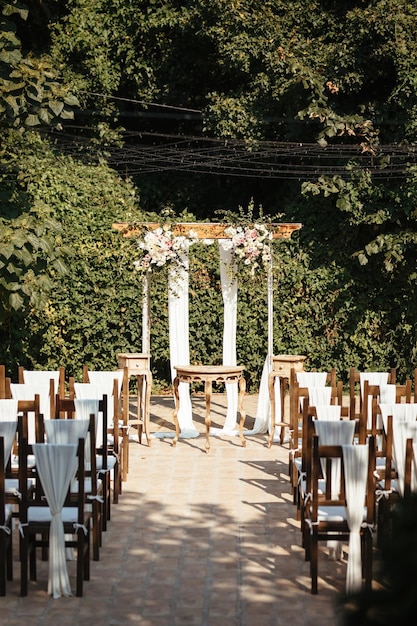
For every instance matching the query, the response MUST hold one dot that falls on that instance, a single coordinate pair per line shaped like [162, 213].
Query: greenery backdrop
[88, 85]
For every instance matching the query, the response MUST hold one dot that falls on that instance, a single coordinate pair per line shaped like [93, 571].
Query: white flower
[161, 246]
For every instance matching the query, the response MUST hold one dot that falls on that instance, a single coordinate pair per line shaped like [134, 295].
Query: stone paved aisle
[197, 539]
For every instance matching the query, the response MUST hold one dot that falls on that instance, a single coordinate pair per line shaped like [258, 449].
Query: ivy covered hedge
[326, 305]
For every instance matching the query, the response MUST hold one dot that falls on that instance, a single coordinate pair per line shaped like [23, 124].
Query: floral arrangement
[161, 246]
[250, 245]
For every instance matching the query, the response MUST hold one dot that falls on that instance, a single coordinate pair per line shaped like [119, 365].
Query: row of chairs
[23, 488]
[325, 439]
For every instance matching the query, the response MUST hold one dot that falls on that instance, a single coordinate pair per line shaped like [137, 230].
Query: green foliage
[30, 90]
[341, 74]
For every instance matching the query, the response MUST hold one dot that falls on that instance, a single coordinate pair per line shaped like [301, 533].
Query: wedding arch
[178, 314]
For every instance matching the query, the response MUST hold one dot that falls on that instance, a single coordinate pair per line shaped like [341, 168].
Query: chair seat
[297, 462]
[334, 514]
[8, 512]
[380, 463]
[42, 515]
[394, 485]
[87, 486]
[303, 487]
[111, 462]
[30, 461]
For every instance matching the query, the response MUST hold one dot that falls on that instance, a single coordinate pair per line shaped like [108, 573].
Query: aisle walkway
[197, 539]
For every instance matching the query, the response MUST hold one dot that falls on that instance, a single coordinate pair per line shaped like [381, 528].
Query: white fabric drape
[407, 411]
[66, 431]
[8, 409]
[229, 285]
[311, 379]
[8, 432]
[84, 407]
[401, 431]
[328, 411]
[105, 381]
[334, 433]
[27, 391]
[387, 394]
[179, 346]
[263, 412]
[57, 466]
[43, 378]
[355, 459]
[373, 378]
[319, 395]
[86, 402]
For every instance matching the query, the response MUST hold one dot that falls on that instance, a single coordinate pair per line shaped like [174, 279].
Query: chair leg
[97, 522]
[116, 483]
[3, 561]
[23, 549]
[80, 562]
[314, 554]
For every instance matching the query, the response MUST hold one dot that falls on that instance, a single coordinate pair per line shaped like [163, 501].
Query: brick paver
[197, 539]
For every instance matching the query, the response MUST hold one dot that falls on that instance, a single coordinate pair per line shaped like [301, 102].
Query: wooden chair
[54, 379]
[35, 522]
[2, 382]
[355, 395]
[297, 395]
[6, 511]
[105, 459]
[334, 430]
[327, 515]
[109, 454]
[118, 409]
[66, 431]
[391, 482]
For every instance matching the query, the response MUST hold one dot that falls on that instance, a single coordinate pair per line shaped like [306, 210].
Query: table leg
[208, 388]
[271, 388]
[176, 409]
[139, 414]
[242, 391]
[147, 407]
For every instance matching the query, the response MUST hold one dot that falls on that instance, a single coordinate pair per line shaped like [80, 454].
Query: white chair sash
[328, 412]
[334, 433]
[319, 395]
[8, 409]
[41, 377]
[104, 381]
[373, 378]
[84, 407]
[66, 431]
[311, 379]
[403, 412]
[86, 402]
[355, 459]
[57, 466]
[387, 394]
[8, 432]
[401, 431]
[27, 391]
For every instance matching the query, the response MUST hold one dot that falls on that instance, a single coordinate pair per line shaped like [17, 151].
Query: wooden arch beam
[208, 230]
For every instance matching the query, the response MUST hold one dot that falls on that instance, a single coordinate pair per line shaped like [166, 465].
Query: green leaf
[15, 301]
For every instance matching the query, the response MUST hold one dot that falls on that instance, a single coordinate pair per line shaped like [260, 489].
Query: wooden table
[283, 365]
[209, 374]
[138, 364]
